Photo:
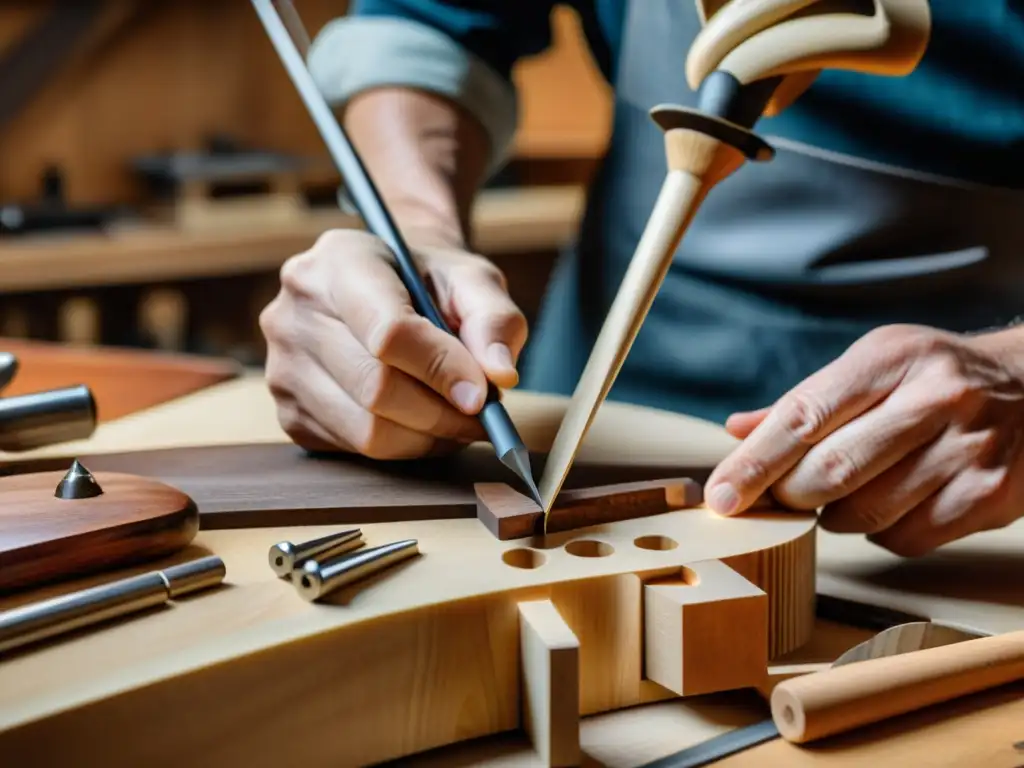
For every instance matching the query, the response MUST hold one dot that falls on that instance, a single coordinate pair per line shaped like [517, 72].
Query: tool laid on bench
[813, 690]
[45, 418]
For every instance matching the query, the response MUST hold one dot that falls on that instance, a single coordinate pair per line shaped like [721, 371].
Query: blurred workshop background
[157, 167]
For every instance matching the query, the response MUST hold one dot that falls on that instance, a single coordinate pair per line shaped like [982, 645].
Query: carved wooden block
[509, 514]
[550, 663]
[705, 630]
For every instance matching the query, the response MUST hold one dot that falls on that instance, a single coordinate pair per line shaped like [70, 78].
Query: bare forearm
[427, 156]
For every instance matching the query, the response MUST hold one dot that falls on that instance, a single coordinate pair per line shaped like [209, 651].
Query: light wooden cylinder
[843, 698]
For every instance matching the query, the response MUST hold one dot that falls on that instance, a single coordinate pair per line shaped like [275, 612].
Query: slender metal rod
[59, 615]
[500, 430]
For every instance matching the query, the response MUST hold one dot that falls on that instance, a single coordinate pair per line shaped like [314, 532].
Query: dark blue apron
[786, 264]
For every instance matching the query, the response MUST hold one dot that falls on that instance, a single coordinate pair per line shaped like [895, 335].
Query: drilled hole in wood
[589, 548]
[660, 543]
[306, 582]
[523, 558]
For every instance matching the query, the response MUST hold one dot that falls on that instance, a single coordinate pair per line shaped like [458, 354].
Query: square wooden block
[705, 630]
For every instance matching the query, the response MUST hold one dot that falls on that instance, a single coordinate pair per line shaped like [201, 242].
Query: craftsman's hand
[352, 366]
[913, 436]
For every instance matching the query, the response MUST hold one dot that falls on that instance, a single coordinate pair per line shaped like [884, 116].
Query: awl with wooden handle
[752, 58]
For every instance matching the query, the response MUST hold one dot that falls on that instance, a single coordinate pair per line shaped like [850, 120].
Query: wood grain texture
[696, 163]
[843, 698]
[123, 381]
[44, 539]
[550, 665]
[509, 514]
[280, 484]
[424, 655]
[979, 730]
[691, 616]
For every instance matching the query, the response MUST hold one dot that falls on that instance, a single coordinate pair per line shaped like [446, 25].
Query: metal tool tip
[518, 460]
[78, 483]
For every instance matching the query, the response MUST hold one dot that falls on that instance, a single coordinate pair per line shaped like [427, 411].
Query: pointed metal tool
[316, 579]
[78, 483]
[291, 41]
[286, 557]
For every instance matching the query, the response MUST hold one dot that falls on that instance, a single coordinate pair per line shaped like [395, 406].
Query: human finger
[862, 449]
[491, 326]
[371, 300]
[883, 501]
[978, 499]
[800, 419]
[388, 392]
[741, 424]
[339, 420]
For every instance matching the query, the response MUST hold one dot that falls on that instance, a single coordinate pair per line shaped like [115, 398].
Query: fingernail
[500, 356]
[467, 396]
[723, 499]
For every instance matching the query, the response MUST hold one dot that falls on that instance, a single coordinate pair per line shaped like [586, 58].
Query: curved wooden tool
[56, 525]
[740, 61]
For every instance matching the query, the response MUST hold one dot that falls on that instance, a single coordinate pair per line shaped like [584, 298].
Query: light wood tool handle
[696, 162]
[843, 698]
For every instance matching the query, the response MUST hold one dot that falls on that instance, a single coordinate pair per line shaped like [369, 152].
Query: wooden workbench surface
[979, 581]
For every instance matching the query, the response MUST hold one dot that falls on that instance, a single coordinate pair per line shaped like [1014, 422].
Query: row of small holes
[531, 558]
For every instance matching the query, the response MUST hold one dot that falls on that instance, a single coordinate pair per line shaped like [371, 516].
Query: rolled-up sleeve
[462, 50]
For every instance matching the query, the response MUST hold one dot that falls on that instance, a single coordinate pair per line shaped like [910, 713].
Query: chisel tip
[518, 460]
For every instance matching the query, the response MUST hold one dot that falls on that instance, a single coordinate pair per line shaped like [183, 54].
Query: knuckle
[437, 366]
[376, 384]
[839, 468]
[750, 472]
[805, 416]
[389, 333]
[296, 273]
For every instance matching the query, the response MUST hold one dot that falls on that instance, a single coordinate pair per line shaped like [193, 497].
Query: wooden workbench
[976, 582]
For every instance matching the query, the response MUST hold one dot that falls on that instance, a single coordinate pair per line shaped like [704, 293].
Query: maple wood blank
[43, 538]
[509, 514]
[550, 662]
[690, 618]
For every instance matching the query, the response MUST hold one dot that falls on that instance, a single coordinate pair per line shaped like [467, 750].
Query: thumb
[489, 323]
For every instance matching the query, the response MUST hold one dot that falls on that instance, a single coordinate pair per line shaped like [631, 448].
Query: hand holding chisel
[290, 40]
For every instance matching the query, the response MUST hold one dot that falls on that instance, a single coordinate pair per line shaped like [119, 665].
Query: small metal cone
[518, 460]
[78, 483]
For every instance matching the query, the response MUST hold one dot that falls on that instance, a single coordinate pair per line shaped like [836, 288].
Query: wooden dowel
[843, 698]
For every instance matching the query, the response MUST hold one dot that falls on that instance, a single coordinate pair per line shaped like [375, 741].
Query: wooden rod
[843, 698]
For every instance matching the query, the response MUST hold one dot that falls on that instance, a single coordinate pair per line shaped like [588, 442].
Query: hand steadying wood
[751, 59]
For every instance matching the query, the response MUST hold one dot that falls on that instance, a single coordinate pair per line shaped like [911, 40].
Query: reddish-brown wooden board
[44, 538]
[279, 484]
[123, 381]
